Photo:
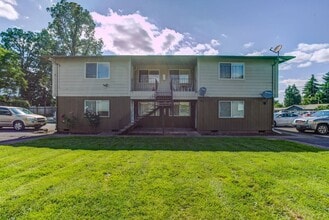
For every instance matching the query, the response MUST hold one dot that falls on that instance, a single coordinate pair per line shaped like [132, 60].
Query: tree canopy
[11, 75]
[70, 33]
[29, 48]
[310, 91]
[73, 30]
[292, 96]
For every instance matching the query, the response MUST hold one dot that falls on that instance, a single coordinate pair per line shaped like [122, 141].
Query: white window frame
[232, 110]
[97, 74]
[149, 80]
[232, 73]
[97, 106]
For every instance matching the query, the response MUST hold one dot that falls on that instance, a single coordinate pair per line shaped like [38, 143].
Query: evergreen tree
[292, 96]
[325, 89]
[311, 91]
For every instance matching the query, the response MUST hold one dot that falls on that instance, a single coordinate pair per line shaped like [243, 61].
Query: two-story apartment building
[206, 93]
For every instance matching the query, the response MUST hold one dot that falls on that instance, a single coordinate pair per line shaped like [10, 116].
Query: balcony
[182, 89]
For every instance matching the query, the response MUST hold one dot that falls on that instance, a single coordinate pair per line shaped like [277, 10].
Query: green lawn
[163, 178]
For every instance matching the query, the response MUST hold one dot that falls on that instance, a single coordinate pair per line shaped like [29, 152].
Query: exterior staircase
[163, 98]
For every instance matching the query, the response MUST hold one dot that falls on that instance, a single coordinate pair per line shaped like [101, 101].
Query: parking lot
[7, 134]
[308, 137]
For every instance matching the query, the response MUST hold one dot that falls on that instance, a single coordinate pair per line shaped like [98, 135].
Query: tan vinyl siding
[258, 78]
[73, 81]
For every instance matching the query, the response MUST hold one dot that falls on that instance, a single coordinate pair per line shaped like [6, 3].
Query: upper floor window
[180, 75]
[149, 76]
[231, 70]
[101, 107]
[98, 70]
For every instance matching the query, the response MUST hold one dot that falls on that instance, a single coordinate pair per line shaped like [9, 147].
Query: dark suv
[318, 122]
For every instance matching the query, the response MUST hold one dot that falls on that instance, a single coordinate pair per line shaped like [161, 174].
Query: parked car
[20, 118]
[284, 118]
[318, 122]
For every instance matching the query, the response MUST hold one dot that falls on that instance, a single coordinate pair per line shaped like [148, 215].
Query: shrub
[93, 119]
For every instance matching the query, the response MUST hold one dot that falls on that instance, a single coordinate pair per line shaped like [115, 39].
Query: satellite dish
[202, 91]
[267, 94]
[276, 49]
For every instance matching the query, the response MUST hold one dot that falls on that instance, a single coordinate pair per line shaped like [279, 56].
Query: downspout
[275, 66]
[57, 87]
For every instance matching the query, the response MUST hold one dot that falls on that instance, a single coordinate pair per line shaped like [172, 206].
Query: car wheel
[37, 127]
[322, 129]
[18, 125]
[300, 130]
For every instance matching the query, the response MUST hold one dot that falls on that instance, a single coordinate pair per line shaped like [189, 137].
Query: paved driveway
[307, 137]
[7, 134]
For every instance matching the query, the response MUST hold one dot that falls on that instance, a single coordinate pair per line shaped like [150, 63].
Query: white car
[284, 119]
[19, 118]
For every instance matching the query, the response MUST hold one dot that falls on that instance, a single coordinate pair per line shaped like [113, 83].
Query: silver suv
[19, 118]
[318, 122]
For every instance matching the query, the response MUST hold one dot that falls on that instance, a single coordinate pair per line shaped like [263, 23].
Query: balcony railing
[143, 86]
[178, 85]
[182, 85]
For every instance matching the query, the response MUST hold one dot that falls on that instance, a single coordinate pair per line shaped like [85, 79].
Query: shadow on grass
[230, 144]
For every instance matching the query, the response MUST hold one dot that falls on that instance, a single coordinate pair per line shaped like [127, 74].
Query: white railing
[178, 85]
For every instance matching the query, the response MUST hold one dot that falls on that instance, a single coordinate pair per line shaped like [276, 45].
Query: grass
[163, 178]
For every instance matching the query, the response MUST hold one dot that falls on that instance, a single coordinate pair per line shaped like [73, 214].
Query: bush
[93, 119]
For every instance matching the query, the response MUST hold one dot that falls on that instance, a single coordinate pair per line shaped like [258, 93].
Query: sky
[208, 27]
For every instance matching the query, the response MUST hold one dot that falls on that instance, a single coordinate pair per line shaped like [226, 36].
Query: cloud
[307, 54]
[248, 45]
[303, 65]
[135, 34]
[7, 9]
[224, 35]
[321, 56]
[311, 47]
[257, 53]
[300, 83]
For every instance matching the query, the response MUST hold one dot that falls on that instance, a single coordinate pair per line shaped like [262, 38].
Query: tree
[292, 96]
[311, 91]
[324, 88]
[30, 47]
[73, 30]
[11, 75]
[277, 104]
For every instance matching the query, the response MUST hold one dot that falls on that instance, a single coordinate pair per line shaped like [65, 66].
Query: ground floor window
[181, 109]
[146, 107]
[231, 109]
[101, 107]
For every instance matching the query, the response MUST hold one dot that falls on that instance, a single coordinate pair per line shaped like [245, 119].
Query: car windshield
[21, 111]
[320, 114]
[26, 111]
